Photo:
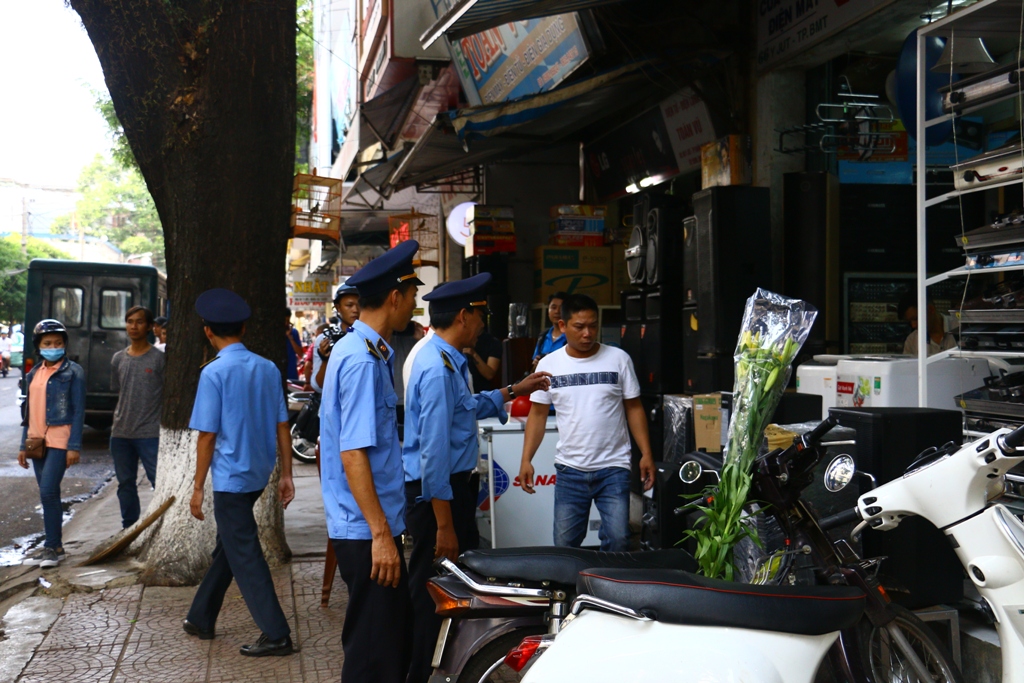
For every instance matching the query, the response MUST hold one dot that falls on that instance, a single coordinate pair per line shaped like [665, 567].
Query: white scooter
[952, 490]
[671, 625]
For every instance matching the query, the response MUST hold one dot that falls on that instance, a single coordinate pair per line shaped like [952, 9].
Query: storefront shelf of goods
[963, 271]
[990, 20]
[956, 193]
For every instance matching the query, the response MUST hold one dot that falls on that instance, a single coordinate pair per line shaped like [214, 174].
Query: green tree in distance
[116, 204]
[303, 83]
[14, 279]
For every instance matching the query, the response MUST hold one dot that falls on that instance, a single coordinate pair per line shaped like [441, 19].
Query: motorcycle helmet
[48, 326]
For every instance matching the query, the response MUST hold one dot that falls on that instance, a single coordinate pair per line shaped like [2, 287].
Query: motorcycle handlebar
[840, 518]
[1009, 443]
[812, 438]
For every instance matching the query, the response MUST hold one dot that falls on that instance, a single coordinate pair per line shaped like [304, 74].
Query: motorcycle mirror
[690, 472]
[839, 473]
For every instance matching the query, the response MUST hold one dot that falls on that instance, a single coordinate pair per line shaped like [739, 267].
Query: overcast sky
[48, 127]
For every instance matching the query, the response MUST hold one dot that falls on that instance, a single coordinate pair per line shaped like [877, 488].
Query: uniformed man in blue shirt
[361, 472]
[242, 422]
[441, 448]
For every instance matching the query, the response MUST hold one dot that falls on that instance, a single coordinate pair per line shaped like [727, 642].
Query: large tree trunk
[205, 91]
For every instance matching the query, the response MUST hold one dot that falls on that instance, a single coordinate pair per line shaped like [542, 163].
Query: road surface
[21, 517]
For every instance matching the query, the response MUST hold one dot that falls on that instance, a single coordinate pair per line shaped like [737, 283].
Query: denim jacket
[65, 401]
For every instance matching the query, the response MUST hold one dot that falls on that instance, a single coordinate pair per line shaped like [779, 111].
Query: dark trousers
[421, 523]
[126, 454]
[377, 629]
[238, 556]
[49, 472]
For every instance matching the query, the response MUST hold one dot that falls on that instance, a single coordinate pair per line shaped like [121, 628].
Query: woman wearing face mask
[52, 430]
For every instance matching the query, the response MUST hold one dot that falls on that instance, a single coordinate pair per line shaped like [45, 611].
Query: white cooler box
[818, 377]
[891, 381]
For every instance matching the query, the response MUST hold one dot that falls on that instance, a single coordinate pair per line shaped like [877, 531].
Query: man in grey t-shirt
[137, 375]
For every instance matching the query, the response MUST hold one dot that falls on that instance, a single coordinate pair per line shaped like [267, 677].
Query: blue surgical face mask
[52, 354]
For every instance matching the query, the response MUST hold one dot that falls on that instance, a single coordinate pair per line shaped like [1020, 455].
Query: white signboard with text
[689, 127]
[786, 27]
[313, 292]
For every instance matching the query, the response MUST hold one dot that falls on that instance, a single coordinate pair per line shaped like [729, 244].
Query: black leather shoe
[194, 630]
[264, 647]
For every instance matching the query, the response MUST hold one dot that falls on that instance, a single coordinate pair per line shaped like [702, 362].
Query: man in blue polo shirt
[243, 424]
[441, 448]
[361, 472]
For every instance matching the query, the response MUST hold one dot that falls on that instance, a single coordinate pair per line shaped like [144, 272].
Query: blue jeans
[126, 454]
[49, 473]
[608, 488]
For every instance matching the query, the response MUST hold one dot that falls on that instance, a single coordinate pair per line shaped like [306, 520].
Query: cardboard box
[575, 270]
[577, 224]
[485, 212]
[726, 162]
[595, 210]
[576, 239]
[482, 245]
[707, 422]
[487, 226]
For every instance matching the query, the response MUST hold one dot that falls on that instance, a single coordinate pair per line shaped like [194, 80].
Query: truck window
[66, 305]
[114, 305]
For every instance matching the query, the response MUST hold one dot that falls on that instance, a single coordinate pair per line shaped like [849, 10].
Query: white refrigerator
[507, 516]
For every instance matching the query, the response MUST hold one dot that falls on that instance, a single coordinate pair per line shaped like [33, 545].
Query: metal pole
[922, 266]
[490, 487]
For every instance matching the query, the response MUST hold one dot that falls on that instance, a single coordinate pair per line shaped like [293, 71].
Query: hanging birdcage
[421, 227]
[316, 207]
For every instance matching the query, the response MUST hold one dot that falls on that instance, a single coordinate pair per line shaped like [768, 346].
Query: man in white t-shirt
[596, 395]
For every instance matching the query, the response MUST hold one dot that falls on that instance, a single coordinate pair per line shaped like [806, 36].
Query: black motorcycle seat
[561, 565]
[679, 597]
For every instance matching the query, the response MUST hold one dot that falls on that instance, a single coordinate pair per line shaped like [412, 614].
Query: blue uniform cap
[345, 289]
[222, 306]
[458, 294]
[387, 272]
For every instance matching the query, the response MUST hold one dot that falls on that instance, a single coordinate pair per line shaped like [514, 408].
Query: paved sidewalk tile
[134, 635]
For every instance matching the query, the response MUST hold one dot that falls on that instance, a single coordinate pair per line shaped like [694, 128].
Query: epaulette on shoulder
[372, 350]
[447, 361]
[208, 362]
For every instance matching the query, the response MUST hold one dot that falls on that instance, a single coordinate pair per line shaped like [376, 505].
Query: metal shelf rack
[985, 19]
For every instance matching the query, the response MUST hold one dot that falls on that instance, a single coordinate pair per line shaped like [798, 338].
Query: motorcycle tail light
[446, 605]
[521, 656]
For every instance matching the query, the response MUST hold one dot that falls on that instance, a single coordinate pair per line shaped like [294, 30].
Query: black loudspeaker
[702, 373]
[497, 297]
[733, 260]
[877, 224]
[811, 253]
[661, 341]
[664, 256]
[690, 269]
[921, 568]
[661, 527]
[630, 339]
[636, 250]
[656, 432]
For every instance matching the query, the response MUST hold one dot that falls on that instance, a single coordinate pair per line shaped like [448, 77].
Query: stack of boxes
[577, 225]
[491, 230]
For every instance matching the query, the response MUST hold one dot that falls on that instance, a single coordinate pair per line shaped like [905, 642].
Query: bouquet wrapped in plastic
[773, 330]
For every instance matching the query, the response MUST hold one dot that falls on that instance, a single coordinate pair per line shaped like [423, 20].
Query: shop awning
[384, 115]
[467, 17]
[465, 138]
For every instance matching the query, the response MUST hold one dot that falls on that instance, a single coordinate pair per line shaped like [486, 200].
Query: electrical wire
[960, 201]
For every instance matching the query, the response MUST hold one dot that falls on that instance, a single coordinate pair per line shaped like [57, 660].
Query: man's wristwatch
[511, 391]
